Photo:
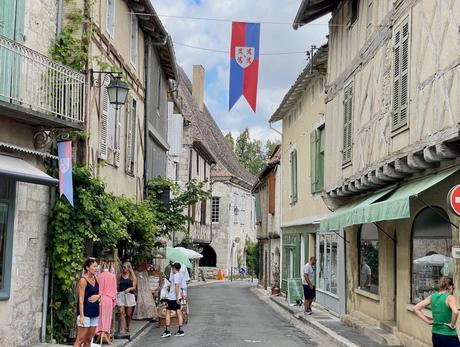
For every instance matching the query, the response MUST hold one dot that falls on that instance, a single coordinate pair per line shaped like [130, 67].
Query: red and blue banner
[244, 63]
[65, 170]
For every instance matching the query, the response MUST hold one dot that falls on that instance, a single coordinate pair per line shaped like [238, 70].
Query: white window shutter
[117, 147]
[103, 124]
[129, 135]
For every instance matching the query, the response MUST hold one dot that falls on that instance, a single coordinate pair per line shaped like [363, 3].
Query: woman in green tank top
[445, 314]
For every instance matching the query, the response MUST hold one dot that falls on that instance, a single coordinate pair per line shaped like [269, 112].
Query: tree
[252, 258]
[230, 141]
[252, 154]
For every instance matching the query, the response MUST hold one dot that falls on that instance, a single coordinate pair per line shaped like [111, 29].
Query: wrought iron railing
[30, 79]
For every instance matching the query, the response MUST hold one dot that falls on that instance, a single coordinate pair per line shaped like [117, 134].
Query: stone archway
[209, 257]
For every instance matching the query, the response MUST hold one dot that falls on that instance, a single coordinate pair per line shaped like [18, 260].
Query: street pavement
[230, 314]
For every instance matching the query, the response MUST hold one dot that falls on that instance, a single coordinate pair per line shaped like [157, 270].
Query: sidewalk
[137, 326]
[327, 324]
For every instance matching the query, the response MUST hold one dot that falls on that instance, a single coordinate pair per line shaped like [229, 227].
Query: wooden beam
[430, 155]
[373, 179]
[360, 187]
[389, 170]
[417, 161]
[402, 166]
[365, 182]
[380, 174]
[447, 150]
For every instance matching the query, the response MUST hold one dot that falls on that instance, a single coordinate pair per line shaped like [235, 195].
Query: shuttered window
[347, 125]
[317, 140]
[293, 161]
[103, 124]
[131, 136]
[401, 75]
[134, 33]
[110, 18]
[271, 192]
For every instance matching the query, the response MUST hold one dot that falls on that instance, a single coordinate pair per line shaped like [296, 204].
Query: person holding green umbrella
[174, 298]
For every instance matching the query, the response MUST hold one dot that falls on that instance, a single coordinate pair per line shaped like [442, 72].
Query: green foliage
[71, 47]
[230, 141]
[252, 258]
[95, 217]
[252, 154]
[170, 217]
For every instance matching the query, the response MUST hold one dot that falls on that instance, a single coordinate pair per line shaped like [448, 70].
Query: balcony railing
[30, 79]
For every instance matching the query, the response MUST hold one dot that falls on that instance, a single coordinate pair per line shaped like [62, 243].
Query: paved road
[229, 314]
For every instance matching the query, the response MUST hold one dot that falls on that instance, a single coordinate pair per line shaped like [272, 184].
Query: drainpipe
[46, 275]
[60, 6]
[146, 101]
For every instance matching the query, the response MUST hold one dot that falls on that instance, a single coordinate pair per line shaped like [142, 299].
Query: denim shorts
[88, 322]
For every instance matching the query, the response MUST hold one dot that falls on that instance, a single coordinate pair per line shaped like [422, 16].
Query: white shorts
[126, 299]
[88, 322]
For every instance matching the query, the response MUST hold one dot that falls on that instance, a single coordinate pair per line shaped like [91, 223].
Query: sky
[276, 72]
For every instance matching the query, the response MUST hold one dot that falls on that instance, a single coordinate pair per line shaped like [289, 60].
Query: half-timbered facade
[392, 98]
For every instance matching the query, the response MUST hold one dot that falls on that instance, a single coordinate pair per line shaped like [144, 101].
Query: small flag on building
[244, 63]
[65, 170]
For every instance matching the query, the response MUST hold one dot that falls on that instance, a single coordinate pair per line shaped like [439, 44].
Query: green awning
[395, 206]
[353, 213]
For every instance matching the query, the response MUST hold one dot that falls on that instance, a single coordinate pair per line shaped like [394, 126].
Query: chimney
[198, 86]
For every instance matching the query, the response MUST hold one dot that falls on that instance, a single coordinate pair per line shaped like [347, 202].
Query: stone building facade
[26, 33]
[392, 146]
[267, 193]
[225, 221]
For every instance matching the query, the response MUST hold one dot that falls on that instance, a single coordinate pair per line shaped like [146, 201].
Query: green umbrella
[176, 256]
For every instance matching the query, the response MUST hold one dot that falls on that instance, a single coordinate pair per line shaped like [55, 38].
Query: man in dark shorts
[308, 281]
[174, 298]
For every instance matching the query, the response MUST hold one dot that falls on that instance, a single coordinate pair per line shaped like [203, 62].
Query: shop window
[369, 258]
[431, 251]
[327, 263]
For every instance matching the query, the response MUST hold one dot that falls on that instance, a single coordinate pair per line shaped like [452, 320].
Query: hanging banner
[244, 63]
[65, 170]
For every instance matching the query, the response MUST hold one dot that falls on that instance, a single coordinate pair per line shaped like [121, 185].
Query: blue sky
[276, 72]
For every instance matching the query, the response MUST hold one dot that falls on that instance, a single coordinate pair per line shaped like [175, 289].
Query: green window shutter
[293, 176]
[320, 161]
[12, 19]
[400, 76]
[347, 125]
[313, 161]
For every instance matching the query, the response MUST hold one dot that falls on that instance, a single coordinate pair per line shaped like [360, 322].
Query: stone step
[374, 332]
[389, 326]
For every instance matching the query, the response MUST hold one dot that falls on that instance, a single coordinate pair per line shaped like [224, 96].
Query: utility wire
[140, 14]
[227, 52]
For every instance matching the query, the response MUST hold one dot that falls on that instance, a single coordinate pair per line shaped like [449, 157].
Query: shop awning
[395, 206]
[353, 213]
[23, 171]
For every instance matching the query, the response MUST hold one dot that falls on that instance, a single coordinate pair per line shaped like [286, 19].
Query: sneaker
[310, 312]
[179, 333]
[166, 334]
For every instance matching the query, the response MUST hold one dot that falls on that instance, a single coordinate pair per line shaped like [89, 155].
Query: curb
[328, 333]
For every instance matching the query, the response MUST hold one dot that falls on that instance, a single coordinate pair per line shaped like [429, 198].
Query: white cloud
[276, 73]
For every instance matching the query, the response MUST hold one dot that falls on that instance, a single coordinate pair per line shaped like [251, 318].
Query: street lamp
[118, 91]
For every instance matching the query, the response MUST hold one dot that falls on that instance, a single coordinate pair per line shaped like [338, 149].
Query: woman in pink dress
[108, 291]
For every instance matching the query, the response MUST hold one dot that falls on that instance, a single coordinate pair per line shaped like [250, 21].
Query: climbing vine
[70, 47]
[96, 218]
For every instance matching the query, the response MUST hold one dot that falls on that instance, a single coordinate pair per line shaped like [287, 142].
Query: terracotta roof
[203, 128]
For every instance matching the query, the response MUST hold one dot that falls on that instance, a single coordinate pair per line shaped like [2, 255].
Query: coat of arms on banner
[64, 164]
[244, 56]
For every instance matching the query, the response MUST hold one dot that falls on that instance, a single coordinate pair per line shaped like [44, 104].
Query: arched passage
[209, 257]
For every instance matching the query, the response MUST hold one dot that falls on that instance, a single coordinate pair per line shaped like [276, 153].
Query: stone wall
[21, 315]
[40, 24]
